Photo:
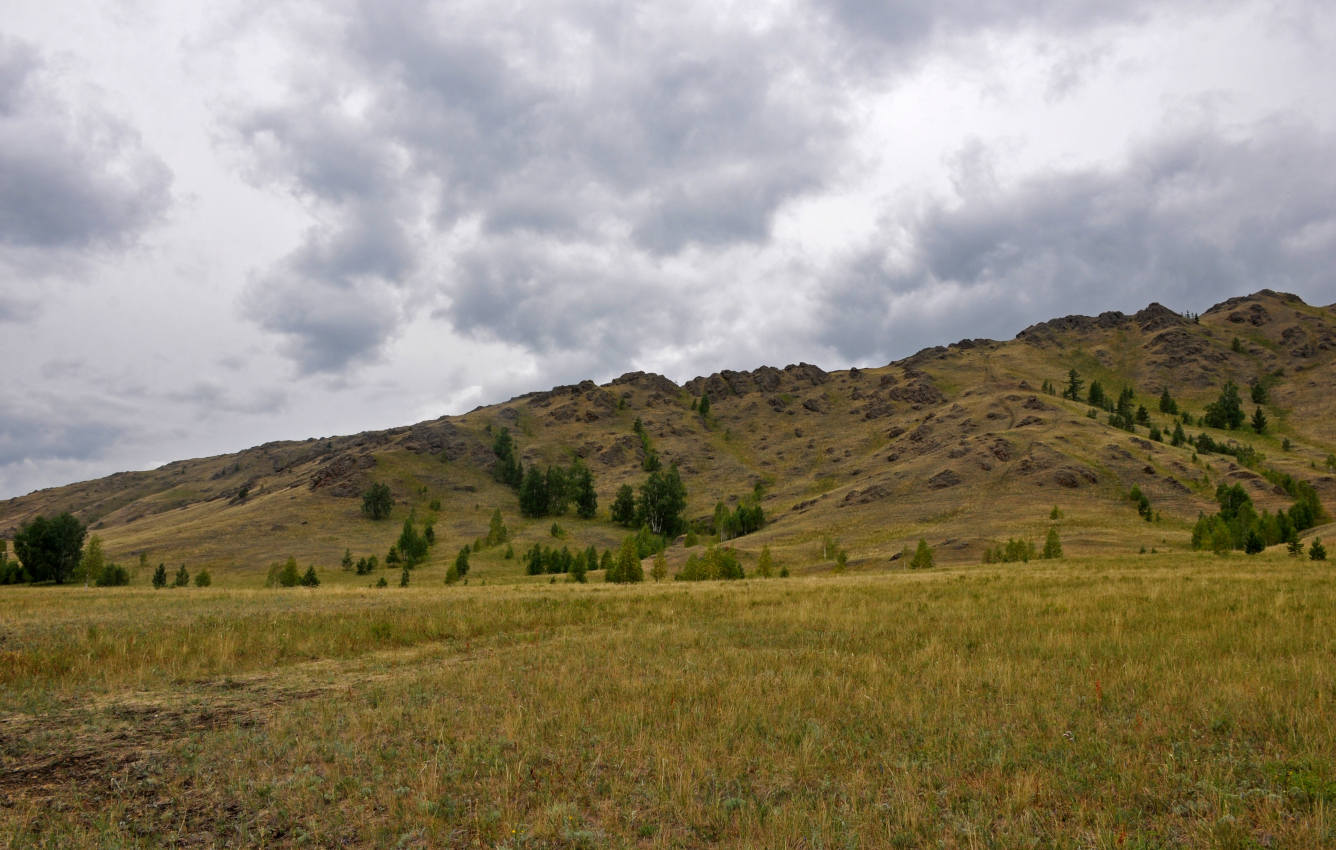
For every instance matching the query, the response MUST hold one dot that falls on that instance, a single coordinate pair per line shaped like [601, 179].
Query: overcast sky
[277, 220]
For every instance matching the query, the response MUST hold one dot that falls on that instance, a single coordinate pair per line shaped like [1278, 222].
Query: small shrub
[182, 577]
[310, 579]
[381, 582]
[112, 575]
[160, 577]
[203, 579]
[1317, 552]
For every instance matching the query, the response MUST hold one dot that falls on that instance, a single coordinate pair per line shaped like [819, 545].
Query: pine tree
[182, 577]
[310, 579]
[1052, 545]
[1074, 384]
[1259, 421]
[1317, 552]
[497, 532]
[1167, 403]
[462, 562]
[533, 493]
[160, 577]
[660, 567]
[704, 406]
[922, 559]
[347, 561]
[765, 565]
[203, 579]
[403, 578]
[624, 506]
[582, 485]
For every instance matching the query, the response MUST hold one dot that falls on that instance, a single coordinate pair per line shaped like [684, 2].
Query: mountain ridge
[950, 443]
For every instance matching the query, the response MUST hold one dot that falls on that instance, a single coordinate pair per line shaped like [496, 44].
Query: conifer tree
[1317, 552]
[1259, 421]
[160, 577]
[922, 559]
[1052, 545]
[765, 565]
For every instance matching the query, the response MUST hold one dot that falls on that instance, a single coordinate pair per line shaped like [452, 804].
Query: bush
[112, 575]
[182, 578]
[310, 579]
[1317, 552]
[377, 501]
[714, 563]
[922, 559]
[1052, 545]
[284, 574]
[203, 579]
[160, 577]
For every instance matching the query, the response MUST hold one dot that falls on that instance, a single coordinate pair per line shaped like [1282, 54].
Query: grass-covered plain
[1141, 702]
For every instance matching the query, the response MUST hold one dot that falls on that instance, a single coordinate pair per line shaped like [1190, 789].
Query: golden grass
[1164, 701]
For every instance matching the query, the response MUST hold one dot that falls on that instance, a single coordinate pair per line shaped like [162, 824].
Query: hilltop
[963, 445]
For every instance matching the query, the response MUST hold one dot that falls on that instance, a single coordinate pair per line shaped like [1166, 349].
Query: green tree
[663, 500]
[704, 406]
[1258, 392]
[1074, 384]
[1317, 552]
[452, 575]
[403, 578]
[1167, 403]
[923, 558]
[412, 546]
[659, 569]
[182, 577]
[1096, 395]
[533, 493]
[160, 577]
[310, 579]
[112, 575]
[377, 501]
[627, 568]
[582, 488]
[765, 565]
[462, 562]
[1259, 421]
[50, 548]
[1178, 438]
[92, 561]
[1227, 410]
[347, 562]
[624, 506]
[203, 579]
[507, 469]
[1052, 545]
[497, 533]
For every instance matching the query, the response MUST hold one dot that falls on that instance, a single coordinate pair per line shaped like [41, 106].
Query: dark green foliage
[624, 506]
[663, 499]
[381, 582]
[1142, 415]
[461, 564]
[1096, 395]
[377, 501]
[765, 564]
[1259, 421]
[160, 577]
[284, 575]
[922, 559]
[1123, 416]
[1155, 434]
[203, 579]
[1227, 410]
[626, 569]
[182, 577]
[1252, 542]
[507, 469]
[1167, 403]
[1258, 392]
[704, 407]
[1052, 545]
[1074, 384]
[1237, 525]
[1142, 502]
[542, 559]
[310, 579]
[533, 493]
[1317, 552]
[1295, 547]
[113, 575]
[1236, 346]
[605, 561]
[347, 562]
[716, 562]
[497, 533]
[581, 564]
[50, 548]
[1178, 438]
[403, 578]
[1047, 387]
[581, 488]
[747, 517]
[1012, 551]
[412, 546]
[392, 557]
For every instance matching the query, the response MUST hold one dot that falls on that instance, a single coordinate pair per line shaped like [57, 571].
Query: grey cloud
[1189, 221]
[648, 136]
[210, 398]
[26, 439]
[71, 176]
[325, 327]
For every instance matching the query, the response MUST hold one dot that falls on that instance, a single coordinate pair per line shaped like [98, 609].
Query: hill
[963, 445]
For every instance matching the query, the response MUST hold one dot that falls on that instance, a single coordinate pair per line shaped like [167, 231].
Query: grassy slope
[853, 455]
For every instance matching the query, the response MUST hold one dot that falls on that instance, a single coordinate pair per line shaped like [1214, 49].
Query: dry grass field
[1164, 700]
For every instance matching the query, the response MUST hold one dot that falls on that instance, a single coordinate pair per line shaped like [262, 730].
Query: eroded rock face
[945, 478]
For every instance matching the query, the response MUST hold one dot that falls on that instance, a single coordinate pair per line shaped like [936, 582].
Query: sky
[234, 222]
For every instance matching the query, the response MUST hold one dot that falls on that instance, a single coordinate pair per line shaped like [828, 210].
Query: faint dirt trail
[44, 755]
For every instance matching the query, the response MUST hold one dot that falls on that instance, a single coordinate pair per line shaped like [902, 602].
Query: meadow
[1162, 700]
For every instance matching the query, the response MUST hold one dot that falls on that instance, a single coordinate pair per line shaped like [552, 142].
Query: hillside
[957, 444]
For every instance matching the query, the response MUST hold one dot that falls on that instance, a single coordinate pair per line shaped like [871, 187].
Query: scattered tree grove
[50, 549]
